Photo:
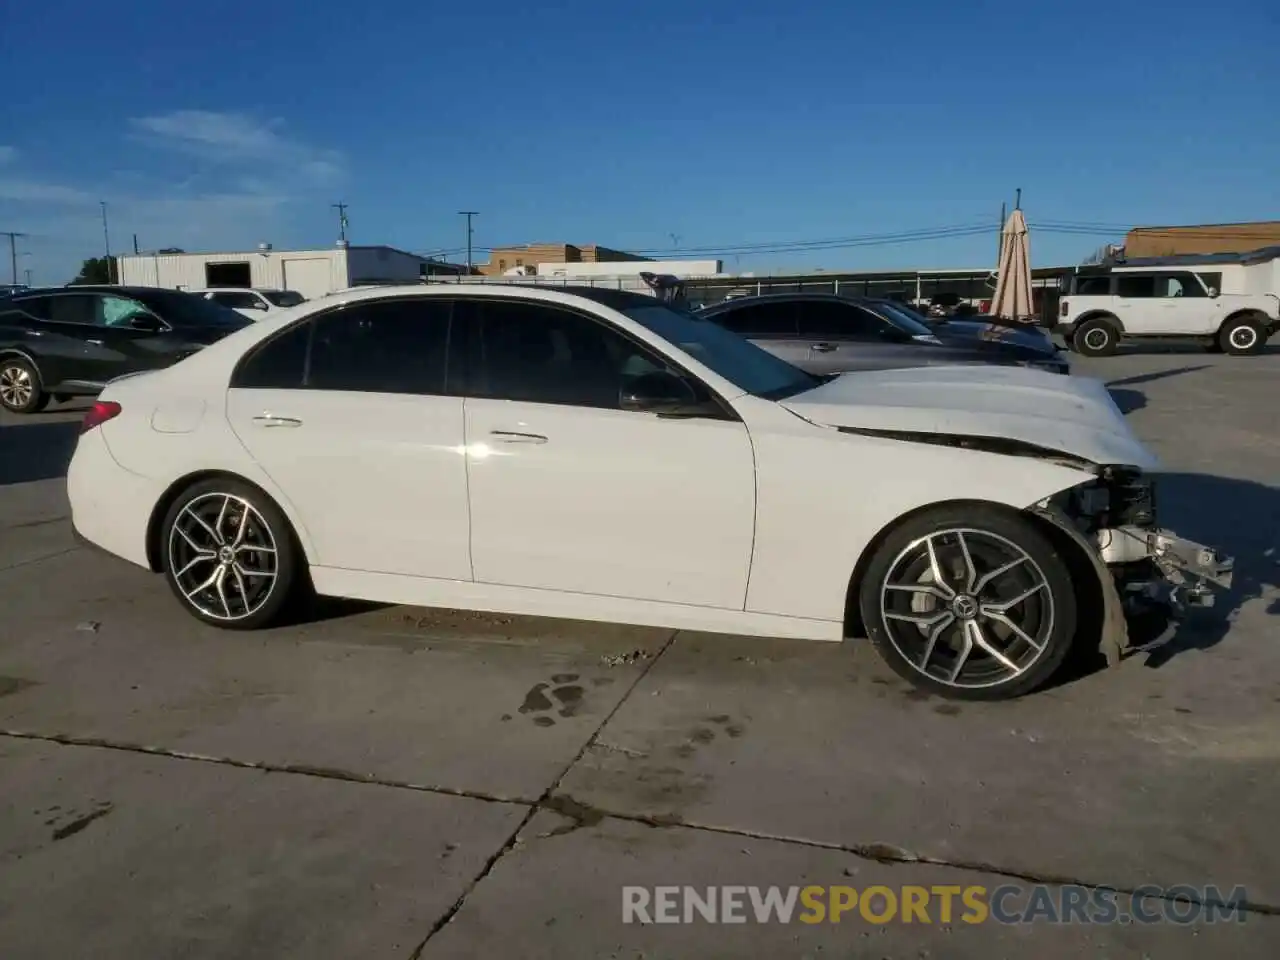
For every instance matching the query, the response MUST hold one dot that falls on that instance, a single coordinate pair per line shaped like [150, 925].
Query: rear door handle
[96, 342]
[514, 436]
[267, 420]
[823, 347]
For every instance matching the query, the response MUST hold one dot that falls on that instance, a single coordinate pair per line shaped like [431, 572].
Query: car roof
[615, 299]
[96, 288]
[783, 297]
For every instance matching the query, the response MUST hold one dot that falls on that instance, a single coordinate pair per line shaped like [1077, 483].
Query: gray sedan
[825, 333]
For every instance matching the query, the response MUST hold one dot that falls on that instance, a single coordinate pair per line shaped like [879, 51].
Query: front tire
[970, 603]
[21, 390]
[230, 556]
[1243, 336]
[1096, 338]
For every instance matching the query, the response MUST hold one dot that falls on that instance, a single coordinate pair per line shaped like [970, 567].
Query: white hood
[1071, 415]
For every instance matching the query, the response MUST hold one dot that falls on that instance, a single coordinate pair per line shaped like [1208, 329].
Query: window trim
[474, 330]
[452, 361]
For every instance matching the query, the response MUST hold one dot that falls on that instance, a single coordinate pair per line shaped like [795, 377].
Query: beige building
[1202, 238]
[530, 255]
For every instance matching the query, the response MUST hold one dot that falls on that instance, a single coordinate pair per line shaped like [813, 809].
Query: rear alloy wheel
[1095, 338]
[20, 388]
[1242, 336]
[970, 603]
[229, 555]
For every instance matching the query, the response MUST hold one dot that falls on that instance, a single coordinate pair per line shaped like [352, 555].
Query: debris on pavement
[625, 659]
[88, 626]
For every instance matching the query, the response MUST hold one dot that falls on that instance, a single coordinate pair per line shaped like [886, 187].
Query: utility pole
[13, 251]
[342, 221]
[135, 244]
[1000, 234]
[469, 214]
[28, 273]
[106, 240]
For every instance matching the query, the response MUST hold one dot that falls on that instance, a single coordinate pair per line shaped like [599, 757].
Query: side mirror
[144, 322]
[656, 392]
[1213, 291]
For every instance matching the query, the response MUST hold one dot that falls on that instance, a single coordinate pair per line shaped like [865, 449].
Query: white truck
[254, 304]
[1107, 305]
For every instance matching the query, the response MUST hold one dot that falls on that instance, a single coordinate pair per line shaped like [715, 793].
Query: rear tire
[1098, 337]
[21, 390]
[1243, 336]
[982, 633]
[230, 555]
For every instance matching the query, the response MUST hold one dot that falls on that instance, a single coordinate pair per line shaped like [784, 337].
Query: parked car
[1105, 307]
[984, 328]
[64, 342]
[254, 304]
[598, 455]
[827, 333]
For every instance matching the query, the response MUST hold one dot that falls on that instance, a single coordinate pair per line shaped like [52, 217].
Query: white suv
[254, 304]
[1104, 307]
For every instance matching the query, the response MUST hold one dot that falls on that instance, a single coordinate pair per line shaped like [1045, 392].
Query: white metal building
[312, 273]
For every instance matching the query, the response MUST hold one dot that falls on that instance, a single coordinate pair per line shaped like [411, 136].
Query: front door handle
[823, 347]
[95, 342]
[514, 436]
[267, 420]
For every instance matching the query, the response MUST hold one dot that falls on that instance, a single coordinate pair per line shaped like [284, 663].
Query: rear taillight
[1062, 308]
[98, 414]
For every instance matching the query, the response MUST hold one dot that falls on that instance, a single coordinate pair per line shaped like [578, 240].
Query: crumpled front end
[1140, 564]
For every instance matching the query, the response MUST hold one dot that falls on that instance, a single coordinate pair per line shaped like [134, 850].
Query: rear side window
[388, 346]
[73, 308]
[1093, 286]
[1136, 285]
[760, 320]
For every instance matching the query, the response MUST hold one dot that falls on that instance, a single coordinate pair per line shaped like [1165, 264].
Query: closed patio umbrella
[1012, 299]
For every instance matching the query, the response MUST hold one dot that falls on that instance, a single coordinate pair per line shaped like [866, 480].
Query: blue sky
[219, 126]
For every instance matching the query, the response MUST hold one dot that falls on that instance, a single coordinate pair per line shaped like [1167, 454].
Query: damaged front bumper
[1190, 569]
[1140, 567]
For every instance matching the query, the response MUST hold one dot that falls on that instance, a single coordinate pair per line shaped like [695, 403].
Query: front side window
[190, 310]
[537, 353]
[385, 346]
[115, 311]
[760, 319]
[1136, 285]
[237, 299]
[749, 368]
[1179, 285]
[827, 318]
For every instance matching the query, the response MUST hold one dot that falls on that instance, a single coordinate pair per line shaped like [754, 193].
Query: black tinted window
[826, 318]
[1135, 285]
[72, 308]
[278, 364]
[387, 346]
[1093, 286]
[543, 354]
[1179, 285]
[237, 299]
[760, 319]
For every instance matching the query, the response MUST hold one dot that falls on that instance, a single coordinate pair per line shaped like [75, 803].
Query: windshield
[903, 317]
[284, 298]
[180, 309]
[743, 364]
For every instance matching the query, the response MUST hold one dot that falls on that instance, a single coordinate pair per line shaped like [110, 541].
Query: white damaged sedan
[598, 455]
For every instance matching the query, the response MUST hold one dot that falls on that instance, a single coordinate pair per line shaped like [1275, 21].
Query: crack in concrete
[581, 815]
[40, 559]
[546, 801]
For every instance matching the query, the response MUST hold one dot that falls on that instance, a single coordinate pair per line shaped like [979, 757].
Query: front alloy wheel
[229, 555]
[20, 390]
[977, 607]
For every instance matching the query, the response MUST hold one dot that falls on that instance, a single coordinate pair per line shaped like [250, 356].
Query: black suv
[63, 342]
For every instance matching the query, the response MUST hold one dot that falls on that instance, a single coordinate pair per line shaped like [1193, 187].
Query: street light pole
[106, 238]
[469, 214]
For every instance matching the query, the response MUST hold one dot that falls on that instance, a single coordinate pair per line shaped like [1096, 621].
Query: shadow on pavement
[1239, 518]
[1157, 375]
[36, 451]
[1128, 400]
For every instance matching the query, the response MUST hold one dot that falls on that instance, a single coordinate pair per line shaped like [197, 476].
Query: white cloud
[240, 139]
[20, 190]
[8, 154]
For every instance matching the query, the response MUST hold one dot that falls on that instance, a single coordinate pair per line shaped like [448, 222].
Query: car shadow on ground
[36, 451]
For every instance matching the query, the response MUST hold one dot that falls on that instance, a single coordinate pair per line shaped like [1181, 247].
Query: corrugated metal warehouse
[312, 273]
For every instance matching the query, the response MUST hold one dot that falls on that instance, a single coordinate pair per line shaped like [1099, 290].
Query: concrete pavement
[395, 782]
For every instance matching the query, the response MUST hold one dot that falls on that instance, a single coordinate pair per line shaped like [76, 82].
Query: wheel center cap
[226, 555]
[965, 607]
